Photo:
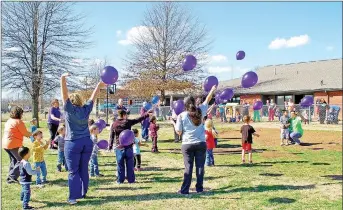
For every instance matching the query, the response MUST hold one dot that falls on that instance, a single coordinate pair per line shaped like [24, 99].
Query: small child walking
[59, 140]
[284, 120]
[33, 123]
[26, 173]
[210, 144]
[94, 165]
[153, 128]
[137, 151]
[247, 132]
[38, 150]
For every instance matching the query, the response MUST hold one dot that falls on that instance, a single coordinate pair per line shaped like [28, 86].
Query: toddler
[210, 144]
[33, 123]
[26, 173]
[153, 128]
[59, 140]
[94, 166]
[247, 132]
[284, 120]
[137, 151]
[38, 156]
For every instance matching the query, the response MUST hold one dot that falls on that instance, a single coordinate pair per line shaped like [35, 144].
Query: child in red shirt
[209, 134]
[153, 128]
[247, 132]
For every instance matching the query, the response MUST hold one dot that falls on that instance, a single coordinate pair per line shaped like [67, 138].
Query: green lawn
[281, 178]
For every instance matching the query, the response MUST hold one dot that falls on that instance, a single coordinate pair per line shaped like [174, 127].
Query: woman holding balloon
[189, 125]
[78, 144]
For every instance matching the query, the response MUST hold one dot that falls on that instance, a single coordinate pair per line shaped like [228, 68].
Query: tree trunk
[163, 97]
[35, 108]
[97, 108]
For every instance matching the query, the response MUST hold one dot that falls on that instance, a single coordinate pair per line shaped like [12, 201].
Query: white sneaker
[72, 201]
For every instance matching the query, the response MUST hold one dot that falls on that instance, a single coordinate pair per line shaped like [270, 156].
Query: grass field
[289, 177]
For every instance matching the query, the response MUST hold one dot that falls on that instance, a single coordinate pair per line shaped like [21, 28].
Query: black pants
[13, 171]
[190, 153]
[137, 161]
[53, 131]
[154, 144]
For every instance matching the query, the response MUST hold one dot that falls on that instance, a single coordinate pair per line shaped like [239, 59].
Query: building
[321, 79]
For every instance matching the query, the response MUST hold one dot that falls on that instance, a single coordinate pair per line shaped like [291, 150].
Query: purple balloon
[189, 63]
[249, 79]
[109, 75]
[126, 138]
[102, 123]
[102, 144]
[210, 82]
[307, 101]
[226, 94]
[217, 99]
[99, 126]
[258, 105]
[240, 55]
[179, 107]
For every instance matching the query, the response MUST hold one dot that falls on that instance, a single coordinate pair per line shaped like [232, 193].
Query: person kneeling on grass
[247, 132]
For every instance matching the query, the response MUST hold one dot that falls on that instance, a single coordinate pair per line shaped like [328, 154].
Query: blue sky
[269, 32]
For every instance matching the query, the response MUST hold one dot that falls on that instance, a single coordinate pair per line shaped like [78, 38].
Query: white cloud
[119, 33]
[218, 58]
[134, 33]
[223, 69]
[294, 41]
[329, 48]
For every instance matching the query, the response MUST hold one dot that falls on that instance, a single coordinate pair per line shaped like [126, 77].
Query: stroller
[332, 117]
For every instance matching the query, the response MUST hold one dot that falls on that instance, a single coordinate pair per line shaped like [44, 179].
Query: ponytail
[194, 112]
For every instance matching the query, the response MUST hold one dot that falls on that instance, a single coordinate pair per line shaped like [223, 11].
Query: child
[59, 140]
[153, 128]
[210, 144]
[38, 155]
[247, 132]
[278, 114]
[26, 173]
[90, 122]
[137, 151]
[305, 115]
[33, 127]
[284, 120]
[94, 166]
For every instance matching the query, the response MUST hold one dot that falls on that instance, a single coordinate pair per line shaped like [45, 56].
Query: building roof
[301, 77]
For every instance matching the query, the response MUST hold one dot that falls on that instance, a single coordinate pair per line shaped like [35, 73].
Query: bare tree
[168, 33]
[40, 42]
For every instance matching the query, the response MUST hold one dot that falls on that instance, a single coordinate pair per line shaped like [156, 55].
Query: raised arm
[210, 94]
[139, 119]
[210, 109]
[64, 89]
[96, 91]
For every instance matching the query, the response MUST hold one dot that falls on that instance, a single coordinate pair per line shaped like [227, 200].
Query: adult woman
[12, 140]
[189, 124]
[295, 129]
[322, 109]
[257, 113]
[245, 108]
[290, 107]
[78, 145]
[54, 119]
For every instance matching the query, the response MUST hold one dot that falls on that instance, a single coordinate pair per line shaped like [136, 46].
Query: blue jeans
[42, 171]
[125, 160]
[145, 132]
[78, 153]
[25, 194]
[94, 165]
[61, 161]
[216, 142]
[296, 137]
[209, 157]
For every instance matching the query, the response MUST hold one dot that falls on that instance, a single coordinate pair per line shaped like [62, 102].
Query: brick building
[321, 79]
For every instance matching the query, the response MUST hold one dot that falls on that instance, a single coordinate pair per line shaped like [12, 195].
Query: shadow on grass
[246, 165]
[333, 177]
[297, 153]
[317, 148]
[220, 151]
[281, 200]
[305, 144]
[320, 164]
[123, 188]
[271, 174]
[285, 161]
[227, 138]
[172, 195]
[161, 169]
[228, 146]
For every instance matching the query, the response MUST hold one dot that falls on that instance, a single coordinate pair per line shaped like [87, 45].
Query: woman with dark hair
[12, 140]
[54, 119]
[322, 109]
[78, 145]
[189, 124]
